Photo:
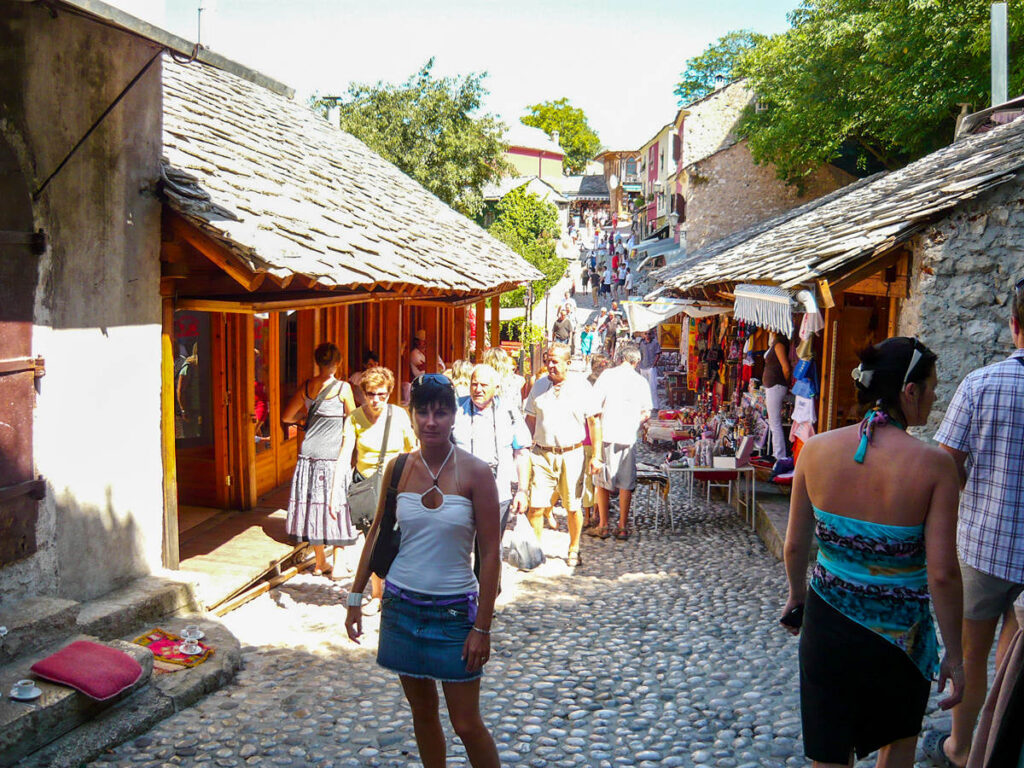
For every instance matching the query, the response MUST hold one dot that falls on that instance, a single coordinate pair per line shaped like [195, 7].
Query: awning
[631, 188]
[644, 315]
[662, 245]
[669, 251]
[765, 306]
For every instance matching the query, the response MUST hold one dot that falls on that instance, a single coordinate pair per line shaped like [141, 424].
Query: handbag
[389, 536]
[364, 492]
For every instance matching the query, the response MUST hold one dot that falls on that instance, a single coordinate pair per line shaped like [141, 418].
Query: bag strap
[384, 443]
[391, 497]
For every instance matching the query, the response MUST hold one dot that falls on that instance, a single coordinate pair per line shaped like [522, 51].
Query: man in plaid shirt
[985, 425]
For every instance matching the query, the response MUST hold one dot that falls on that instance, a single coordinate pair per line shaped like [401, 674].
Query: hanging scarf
[876, 417]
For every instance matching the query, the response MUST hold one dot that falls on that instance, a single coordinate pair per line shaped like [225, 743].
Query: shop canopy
[765, 306]
[644, 315]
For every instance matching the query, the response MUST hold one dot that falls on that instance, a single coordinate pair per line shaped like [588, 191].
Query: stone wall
[728, 191]
[97, 304]
[964, 268]
[711, 123]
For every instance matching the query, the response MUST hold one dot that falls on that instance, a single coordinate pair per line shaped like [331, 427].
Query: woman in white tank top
[436, 614]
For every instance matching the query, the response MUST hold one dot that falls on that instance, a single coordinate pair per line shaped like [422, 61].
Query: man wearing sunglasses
[985, 423]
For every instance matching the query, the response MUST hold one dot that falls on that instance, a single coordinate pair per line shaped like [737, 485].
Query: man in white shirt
[625, 400]
[559, 410]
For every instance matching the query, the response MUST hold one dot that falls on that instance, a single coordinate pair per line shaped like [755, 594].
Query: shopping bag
[524, 550]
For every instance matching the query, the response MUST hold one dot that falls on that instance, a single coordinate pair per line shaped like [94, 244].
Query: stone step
[35, 623]
[96, 727]
[27, 726]
[143, 601]
[63, 728]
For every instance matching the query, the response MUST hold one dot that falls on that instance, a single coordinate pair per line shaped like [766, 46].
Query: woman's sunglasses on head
[437, 379]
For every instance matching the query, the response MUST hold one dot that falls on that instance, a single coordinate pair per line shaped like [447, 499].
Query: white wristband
[355, 599]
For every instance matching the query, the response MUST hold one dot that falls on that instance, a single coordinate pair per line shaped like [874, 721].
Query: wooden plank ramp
[236, 550]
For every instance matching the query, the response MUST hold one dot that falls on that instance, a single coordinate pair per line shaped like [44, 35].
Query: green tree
[575, 136]
[883, 77]
[529, 226]
[719, 58]
[430, 129]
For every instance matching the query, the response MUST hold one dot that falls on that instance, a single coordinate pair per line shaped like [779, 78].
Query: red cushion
[98, 671]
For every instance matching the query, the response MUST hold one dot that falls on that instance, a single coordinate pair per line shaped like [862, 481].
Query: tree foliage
[430, 129]
[575, 136]
[719, 58]
[885, 76]
[529, 226]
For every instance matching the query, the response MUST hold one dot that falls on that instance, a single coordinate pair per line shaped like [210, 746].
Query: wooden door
[200, 409]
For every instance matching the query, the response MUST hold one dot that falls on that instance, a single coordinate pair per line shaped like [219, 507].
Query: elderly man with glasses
[496, 433]
[560, 409]
[985, 424]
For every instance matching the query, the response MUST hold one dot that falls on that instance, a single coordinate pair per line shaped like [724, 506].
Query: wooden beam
[481, 308]
[167, 437]
[391, 352]
[212, 250]
[460, 333]
[496, 321]
[868, 268]
[432, 328]
[247, 412]
[248, 306]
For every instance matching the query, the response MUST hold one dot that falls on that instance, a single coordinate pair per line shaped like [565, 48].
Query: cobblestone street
[659, 651]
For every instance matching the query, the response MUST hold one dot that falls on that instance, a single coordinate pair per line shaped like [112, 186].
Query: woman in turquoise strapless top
[883, 507]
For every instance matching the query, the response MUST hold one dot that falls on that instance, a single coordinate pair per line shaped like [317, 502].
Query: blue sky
[618, 61]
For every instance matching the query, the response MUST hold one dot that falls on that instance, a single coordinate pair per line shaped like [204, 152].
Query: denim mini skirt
[424, 640]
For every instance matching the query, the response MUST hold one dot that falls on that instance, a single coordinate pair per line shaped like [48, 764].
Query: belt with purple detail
[471, 598]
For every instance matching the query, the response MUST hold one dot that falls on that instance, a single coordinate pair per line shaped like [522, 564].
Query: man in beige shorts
[558, 410]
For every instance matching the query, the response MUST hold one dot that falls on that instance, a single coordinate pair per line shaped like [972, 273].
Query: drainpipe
[999, 54]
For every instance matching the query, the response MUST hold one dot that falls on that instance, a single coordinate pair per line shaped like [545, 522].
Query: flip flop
[933, 751]
[621, 535]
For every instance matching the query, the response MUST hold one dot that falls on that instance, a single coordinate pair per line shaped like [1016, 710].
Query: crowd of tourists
[903, 528]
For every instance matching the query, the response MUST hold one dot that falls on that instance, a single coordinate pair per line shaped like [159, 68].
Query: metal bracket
[34, 489]
[21, 364]
[36, 241]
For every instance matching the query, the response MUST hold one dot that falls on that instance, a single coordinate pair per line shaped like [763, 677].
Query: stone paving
[659, 651]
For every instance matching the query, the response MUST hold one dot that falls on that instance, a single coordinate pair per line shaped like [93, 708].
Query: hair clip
[862, 377]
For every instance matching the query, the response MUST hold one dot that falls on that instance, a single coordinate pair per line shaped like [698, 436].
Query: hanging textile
[644, 315]
[766, 306]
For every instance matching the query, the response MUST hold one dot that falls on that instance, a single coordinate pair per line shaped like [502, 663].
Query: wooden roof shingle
[288, 194]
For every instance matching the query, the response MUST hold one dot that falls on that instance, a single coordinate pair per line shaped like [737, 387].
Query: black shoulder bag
[389, 535]
[364, 493]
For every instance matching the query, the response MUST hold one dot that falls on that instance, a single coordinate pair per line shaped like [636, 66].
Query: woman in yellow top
[364, 433]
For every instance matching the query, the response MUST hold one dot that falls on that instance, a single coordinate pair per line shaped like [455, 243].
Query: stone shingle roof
[858, 221]
[534, 185]
[288, 194]
[592, 187]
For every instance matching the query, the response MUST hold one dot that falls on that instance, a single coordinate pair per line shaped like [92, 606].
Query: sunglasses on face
[1019, 284]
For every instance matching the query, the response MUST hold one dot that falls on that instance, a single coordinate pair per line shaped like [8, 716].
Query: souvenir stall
[725, 360]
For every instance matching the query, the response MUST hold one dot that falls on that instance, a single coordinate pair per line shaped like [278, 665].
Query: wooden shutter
[20, 248]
